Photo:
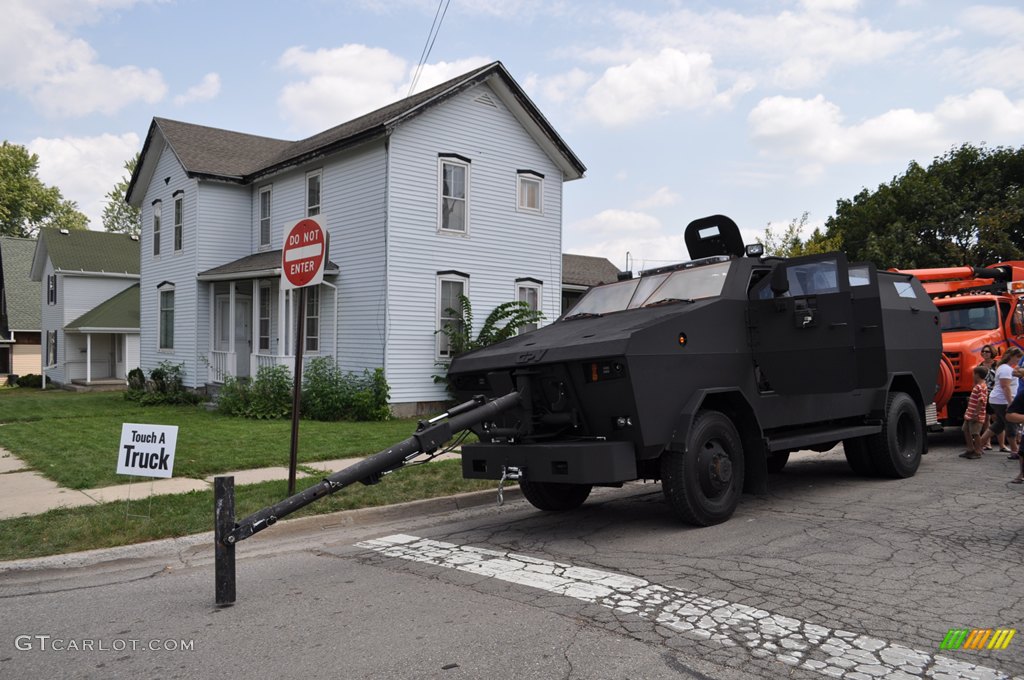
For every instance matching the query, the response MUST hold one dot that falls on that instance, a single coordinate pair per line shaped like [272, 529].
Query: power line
[435, 28]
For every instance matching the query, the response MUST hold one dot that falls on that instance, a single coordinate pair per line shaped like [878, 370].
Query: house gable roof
[119, 313]
[586, 270]
[81, 250]
[265, 264]
[22, 295]
[211, 153]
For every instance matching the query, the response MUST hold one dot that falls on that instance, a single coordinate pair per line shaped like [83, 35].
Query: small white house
[89, 305]
[455, 190]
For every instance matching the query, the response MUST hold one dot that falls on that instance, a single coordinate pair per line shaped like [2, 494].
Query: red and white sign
[304, 254]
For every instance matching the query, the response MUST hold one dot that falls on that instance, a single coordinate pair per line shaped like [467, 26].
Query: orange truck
[978, 306]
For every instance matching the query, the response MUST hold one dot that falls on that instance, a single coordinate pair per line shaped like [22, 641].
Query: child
[974, 416]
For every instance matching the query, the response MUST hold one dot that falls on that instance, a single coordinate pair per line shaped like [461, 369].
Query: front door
[243, 331]
[801, 327]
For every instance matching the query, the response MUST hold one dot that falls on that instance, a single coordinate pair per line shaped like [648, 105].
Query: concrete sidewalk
[24, 492]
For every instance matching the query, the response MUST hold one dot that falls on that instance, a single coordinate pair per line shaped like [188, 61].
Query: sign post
[303, 258]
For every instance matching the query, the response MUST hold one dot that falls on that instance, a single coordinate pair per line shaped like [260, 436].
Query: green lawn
[73, 438]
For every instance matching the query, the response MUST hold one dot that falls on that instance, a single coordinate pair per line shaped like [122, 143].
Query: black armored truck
[706, 375]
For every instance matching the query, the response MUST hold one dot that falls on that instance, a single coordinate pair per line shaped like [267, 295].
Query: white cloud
[61, 74]
[613, 233]
[654, 86]
[994, 20]
[559, 88]
[343, 83]
[85, 168]
[830, 5]
[661, 198]
[814, 129]
[206, 89]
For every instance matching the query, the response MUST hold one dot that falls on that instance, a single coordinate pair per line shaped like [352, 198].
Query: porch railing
[221, 365]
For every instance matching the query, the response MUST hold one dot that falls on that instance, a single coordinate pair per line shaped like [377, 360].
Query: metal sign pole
[300, 342]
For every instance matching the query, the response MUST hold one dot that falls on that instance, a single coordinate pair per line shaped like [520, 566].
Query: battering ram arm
[428, 437]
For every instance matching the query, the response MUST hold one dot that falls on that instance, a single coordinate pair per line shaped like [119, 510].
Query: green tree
[790, 242]
[118, 215]
[966, 207]
[502, 323]
[26, 204]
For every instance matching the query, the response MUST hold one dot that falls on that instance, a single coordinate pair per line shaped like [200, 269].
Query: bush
[166, 385]
[268, 397]
[329, 394]
[30, 380]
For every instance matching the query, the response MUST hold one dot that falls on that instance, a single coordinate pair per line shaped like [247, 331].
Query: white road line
[834, 653]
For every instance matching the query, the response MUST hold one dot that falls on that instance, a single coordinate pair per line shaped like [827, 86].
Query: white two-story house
[89, 305]
[455, 190]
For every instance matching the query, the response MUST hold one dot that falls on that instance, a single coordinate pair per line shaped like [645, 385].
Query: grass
[108, 525]
[73, 438]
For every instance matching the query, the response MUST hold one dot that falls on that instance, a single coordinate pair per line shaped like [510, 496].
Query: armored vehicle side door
[868, 337]
[802, 327]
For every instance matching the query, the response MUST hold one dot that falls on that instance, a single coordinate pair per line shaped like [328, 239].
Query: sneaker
[1004, 449]
[1013, 456]
[973, 456]
[965, 454]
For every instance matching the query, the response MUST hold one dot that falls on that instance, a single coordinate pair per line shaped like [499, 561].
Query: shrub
[329, 394]
[136, 380]
[233, 398]
[270, 395]
[166, 385]
[30, 380]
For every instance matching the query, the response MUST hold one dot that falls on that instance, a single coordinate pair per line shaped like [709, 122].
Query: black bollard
[224, 542]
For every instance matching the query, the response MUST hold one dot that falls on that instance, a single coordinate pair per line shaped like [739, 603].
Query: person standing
[975, 416]
[1001, 396]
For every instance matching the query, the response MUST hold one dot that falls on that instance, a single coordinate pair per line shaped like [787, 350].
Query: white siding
[503, 244]
[51, 320]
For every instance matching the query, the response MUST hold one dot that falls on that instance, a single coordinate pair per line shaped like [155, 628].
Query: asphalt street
[829, 575]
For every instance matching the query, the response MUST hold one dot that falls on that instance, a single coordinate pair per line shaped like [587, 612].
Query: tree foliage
[118, 215]
[502, 323]
[790, 242]
[967, 207]
[26, 204]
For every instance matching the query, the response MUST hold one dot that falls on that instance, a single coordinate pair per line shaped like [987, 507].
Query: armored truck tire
[858, 457]
[554, 496]
[703, 485]
[777, 461]
[896, 450]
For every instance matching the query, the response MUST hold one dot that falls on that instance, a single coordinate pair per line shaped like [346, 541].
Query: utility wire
[428, 46]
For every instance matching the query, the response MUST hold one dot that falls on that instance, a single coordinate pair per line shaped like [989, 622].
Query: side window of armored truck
[812, 278]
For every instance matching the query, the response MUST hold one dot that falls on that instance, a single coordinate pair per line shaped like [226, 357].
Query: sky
[761, 110]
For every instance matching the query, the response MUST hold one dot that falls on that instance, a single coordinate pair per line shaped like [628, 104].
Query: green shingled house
[89, 305]
[19, 309]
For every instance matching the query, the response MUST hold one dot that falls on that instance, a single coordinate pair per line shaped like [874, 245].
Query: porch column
[254, 328]
[88, 358]
[232, 348]
[211, 373]
[282, 336]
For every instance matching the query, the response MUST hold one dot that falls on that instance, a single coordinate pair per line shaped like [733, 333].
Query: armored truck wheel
[896, 450]
[703, 485]
[858, 457]
[553, 496]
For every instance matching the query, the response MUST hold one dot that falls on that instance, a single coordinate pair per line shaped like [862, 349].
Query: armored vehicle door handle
[838, 324]
[870, 327]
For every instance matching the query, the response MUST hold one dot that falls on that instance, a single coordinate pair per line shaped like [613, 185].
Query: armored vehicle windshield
[697, 280]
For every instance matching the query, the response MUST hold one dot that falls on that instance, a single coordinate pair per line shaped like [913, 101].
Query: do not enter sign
[304, 254]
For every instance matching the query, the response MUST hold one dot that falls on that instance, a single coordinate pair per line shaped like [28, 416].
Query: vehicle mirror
[780, 281]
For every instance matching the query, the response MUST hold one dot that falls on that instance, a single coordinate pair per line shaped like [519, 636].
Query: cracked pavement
[829, 575]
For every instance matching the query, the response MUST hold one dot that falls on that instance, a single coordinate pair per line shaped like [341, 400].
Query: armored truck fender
[706, 375]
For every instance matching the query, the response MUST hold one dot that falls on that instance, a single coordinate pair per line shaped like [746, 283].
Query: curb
[287, 527]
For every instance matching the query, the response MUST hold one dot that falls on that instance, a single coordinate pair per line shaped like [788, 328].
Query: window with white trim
[166, 320]
[51, 289]
[265, 216]
[450, 286]
[454, 195]
[312, 319]
[528, 291]
[313, 182]
[265, 320]
[156, 227]
[51, 348]
[530, 191]
[179, 218]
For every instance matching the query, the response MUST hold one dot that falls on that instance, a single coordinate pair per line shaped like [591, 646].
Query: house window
[156, 228]
[166, 331]
[454, 199]
[450, 287]
[265, 316]
[528, 291]
[51, 289]
[51, 348]
[265, 216]
[531, 185]
[179, 216]
[313, 193]
[312, 319]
